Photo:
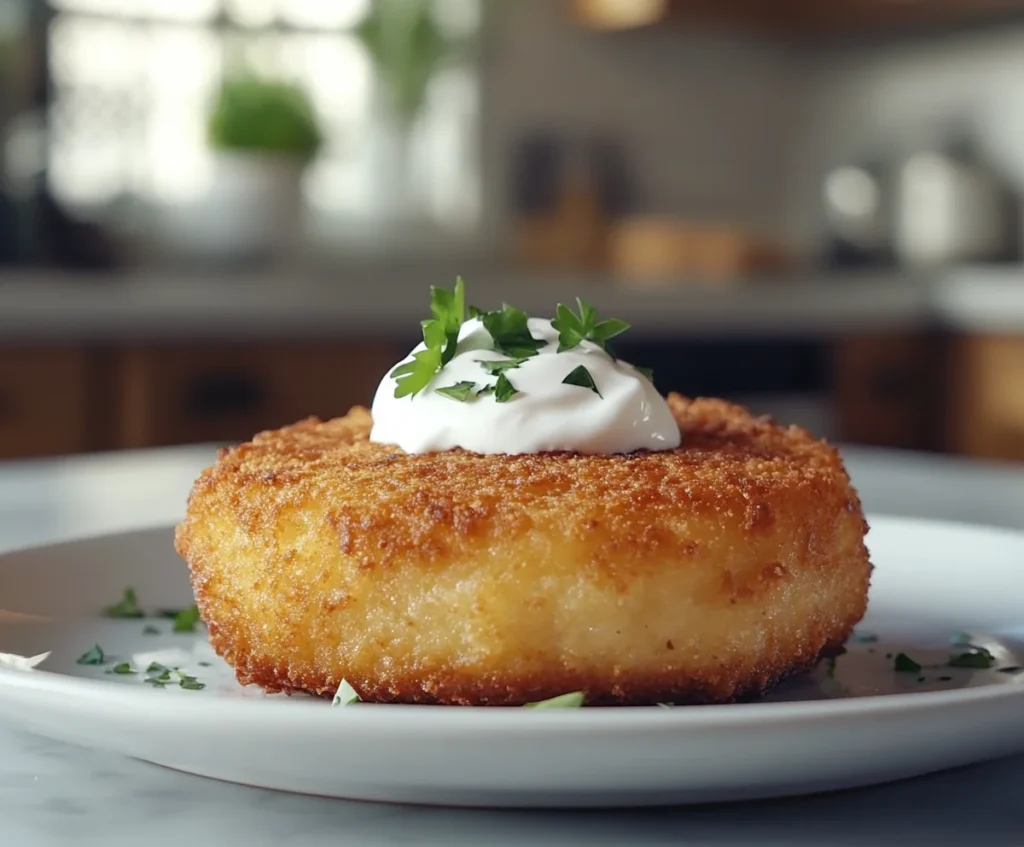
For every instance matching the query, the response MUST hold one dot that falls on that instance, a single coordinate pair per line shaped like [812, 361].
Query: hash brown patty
[704, 574]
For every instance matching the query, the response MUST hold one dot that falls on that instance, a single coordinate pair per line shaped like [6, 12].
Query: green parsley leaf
[449, 310]
[487, 389]
[126, 607]
[980, 659]
[511, 333]
[149, 629]
[346, 695]
[191, 684]
[504, 390]
[186, 620]
[157, 673]
[461, 391]
[904, 664]
[581, 376]
[122, 668]
[498, 366]
[440, 339]
[574, 329]
[564, 701]
[474, 312]
[92, 656]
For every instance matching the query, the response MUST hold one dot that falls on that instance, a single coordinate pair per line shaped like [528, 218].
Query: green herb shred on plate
[504, 390]
[93, 656]
[904, 664]
[978, 659]
[346, 695]
[126, 607]
[573, 700]
[122, 669]
[186, 620]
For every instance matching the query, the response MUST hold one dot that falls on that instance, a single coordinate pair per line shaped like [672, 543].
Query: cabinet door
[48, 398]
[886, 390]
[987, 408]
[228, 393]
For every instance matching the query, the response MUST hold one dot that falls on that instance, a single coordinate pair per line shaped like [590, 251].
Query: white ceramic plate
[855, 724]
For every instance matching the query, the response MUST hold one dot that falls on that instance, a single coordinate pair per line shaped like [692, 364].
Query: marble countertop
[54, 794]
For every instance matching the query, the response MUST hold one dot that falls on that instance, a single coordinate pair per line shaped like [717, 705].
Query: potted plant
[264, 133]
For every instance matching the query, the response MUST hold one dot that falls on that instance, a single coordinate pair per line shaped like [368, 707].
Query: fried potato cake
[704, 574]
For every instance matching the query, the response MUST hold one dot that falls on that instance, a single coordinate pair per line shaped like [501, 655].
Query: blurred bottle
[951, 208]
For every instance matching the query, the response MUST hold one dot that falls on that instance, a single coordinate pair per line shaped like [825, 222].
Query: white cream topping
[545, 415]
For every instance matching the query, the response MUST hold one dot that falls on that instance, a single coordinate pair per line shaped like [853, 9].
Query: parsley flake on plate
[904, 664]
[92, 656]
[126, 607]
[979, 659]
[186, 620]
[122, 669]
[498, 366]
[573, 700]
[581, 376]
[346, 695]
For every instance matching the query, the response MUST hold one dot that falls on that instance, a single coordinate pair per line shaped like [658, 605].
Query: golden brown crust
[702, 574]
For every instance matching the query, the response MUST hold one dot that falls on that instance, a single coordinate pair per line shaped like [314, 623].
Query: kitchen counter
[172, 306]
[180, 306]
[53, 794]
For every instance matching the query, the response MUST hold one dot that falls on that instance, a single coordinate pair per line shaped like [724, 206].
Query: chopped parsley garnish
[497, 366]
[157, 673]
[122, 668]
[205, 665]
[149, 629]
[92, 656]
[440, 339]
[980, 659]
[461, 391]
[504, 390]
[572, 700]
[186, 619]
[511, 333]
[126, 607]
[904, 664]
[581, 376]
[189, 683]
[346, 695]
[574, 329]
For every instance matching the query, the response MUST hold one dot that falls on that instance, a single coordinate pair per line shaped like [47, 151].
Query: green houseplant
[264, 133]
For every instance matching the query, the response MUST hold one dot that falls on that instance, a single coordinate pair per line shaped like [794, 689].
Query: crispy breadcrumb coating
[697, 575]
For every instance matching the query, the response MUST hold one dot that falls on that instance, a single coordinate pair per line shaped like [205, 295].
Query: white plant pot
[251, 212]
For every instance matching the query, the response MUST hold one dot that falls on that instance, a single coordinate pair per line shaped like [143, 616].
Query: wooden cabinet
[802, 19]
[177, 395]
[987, 400]
[887, 390]
[50, 402]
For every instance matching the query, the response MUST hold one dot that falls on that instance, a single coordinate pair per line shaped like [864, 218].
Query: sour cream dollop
[546, 415]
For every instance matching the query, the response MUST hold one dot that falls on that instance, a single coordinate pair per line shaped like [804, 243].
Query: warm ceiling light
[621, 14]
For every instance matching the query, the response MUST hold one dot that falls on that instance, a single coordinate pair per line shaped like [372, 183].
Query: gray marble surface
[53, 794]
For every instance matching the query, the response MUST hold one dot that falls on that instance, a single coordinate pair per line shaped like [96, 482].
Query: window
[132, 80]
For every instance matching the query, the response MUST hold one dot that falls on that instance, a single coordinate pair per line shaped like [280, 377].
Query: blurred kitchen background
[219, 216]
